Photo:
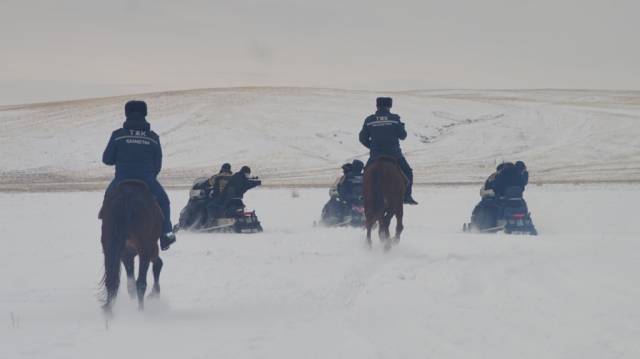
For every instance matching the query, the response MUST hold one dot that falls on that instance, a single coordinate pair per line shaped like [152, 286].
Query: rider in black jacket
[381, 134]
[136, 153]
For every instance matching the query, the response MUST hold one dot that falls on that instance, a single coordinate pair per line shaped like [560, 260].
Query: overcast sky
[67, 49]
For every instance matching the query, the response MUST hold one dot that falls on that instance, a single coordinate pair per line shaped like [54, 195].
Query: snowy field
[301, 136]
[299, 291]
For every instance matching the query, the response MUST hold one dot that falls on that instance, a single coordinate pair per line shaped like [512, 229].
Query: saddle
[394, 161]
[135, 185]
[386, 158]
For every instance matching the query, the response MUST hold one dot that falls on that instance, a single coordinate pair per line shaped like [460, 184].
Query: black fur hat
[384, 102]
[504, 165]
[135, 106]
[357, 165]
[245, 170]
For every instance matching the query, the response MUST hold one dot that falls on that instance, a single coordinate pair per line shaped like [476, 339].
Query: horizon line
[263, 87]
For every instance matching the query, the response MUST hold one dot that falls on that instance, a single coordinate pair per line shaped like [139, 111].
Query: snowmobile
[511, 216]
[195, 211]
[233, 217]
[337, 213]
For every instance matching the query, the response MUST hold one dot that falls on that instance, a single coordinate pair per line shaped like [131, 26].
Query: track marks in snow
[454, 121]
[301, 136]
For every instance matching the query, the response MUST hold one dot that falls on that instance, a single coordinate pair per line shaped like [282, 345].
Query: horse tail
[378, 191]
[121, 214]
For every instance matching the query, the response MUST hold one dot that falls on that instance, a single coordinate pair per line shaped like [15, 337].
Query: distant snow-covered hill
[301, 136]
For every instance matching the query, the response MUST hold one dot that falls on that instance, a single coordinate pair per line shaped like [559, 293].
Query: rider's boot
[408, 173]
[409, 200]
[167, 240]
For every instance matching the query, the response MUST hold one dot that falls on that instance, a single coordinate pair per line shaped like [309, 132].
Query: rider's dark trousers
[158, 192]
[406, 169]
[214, 209]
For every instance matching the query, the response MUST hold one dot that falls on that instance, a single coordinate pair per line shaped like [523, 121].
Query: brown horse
[383, 189]
[131, 225]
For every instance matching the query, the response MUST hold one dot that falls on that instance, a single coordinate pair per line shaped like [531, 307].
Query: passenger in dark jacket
[350, 188]
[216, 185]
[334, 210]
[218, 182]
[136, 153]
[381, 134]
[494, 190]
[488, 189]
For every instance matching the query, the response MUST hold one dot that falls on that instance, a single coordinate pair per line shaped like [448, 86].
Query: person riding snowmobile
[381, 134]
[333, 209]
[215, 186]
[486, 211]
[218, 182]
[487, 190]
[333, 190]
[350, 188]
[524, 173]
[509, 176]
[237, 186]
[347, 190]
[494, 189]
[136, 152]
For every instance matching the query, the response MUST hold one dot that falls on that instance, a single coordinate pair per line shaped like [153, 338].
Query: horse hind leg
[399, 227]
[107, 307]
[141, 283]
[157, 268]
[369, 226]
[383, 231]
[385, 221]
[127, 261]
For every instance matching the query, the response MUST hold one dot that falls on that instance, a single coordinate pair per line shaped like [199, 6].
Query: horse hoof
[107, 309]
[155, 294]
[131, 289]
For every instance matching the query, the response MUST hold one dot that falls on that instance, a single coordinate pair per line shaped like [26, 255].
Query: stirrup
[410, 200]
[166, 240]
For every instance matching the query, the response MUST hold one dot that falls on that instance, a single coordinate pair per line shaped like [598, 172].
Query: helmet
[135, 106]
[521, 166]
[245, 170]
[225, 168]
[346, 167]
[384, 102]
